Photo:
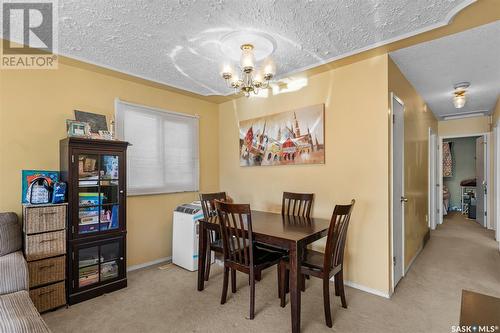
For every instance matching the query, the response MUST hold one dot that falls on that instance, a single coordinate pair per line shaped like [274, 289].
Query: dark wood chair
[240, 250]
[297, 204]
[327, 264]
[214, 239]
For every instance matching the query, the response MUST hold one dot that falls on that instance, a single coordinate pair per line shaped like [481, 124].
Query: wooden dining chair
[240, 250]
[297, 204]
[214, 240]
[327, 264]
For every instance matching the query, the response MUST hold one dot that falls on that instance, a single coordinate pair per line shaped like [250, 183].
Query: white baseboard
[365, 288]
[150, 263]
[413, 259]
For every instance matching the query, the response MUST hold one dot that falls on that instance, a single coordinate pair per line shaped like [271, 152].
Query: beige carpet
[460, 255]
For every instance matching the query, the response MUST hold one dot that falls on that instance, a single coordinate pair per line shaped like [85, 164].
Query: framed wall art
[292, 137]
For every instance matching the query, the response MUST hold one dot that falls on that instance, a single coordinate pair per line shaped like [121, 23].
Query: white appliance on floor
[185, 235]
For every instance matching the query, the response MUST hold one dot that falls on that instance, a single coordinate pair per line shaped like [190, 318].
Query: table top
[290, 228]
[479, 309]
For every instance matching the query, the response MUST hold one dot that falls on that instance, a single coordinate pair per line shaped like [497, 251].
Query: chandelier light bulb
[247, 57]
[269, 69]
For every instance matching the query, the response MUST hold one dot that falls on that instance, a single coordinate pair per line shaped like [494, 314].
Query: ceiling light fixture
[251, 79]
[459, 97]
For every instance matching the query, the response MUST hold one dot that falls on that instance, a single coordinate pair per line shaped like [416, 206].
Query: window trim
[161, 112]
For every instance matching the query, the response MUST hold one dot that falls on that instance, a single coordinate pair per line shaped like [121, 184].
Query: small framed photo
[106, 135]
[96, 121]
[77, 128]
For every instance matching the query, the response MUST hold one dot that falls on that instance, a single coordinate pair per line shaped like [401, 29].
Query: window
[163, 157]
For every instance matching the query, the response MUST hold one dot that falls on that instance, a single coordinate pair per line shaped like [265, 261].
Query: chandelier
[250, 79]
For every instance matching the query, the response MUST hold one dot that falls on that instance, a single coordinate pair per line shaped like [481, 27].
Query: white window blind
[163, 157]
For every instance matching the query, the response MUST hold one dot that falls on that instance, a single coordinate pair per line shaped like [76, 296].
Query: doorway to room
[398, 191]
[463, 177]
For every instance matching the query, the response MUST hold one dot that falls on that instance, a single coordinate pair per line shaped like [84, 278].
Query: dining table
[287, 232]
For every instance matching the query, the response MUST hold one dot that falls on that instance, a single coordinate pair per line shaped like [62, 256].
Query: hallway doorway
[463, 164]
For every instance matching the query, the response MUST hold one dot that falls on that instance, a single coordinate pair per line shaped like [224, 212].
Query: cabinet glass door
[88, 266]
[99, 262]
[98, 192]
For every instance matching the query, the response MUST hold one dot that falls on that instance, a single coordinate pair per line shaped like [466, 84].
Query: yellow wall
[417, 121]
[464, 126]
[356, 140]
[33, 109]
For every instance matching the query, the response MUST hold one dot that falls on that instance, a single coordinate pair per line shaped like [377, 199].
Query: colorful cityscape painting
[292, 137]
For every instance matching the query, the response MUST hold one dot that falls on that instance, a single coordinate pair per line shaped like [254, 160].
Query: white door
[398, 197]
[433, 181]
[496, 178]
[480, 182]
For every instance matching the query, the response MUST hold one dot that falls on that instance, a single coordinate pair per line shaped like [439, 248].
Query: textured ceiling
[434, 67]
[177, 42]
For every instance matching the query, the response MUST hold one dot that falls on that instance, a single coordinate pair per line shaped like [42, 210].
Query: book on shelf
[110, 166]
[88, 262]
[90, 198]
[89, 219]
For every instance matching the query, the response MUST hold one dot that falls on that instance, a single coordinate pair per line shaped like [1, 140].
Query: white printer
[185, 235]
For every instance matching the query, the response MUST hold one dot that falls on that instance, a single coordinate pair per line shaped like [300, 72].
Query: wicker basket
[45, 245]
[48, 297]
[47, 271]
[44, 218]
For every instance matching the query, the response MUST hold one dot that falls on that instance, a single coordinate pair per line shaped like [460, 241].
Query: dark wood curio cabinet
[95, 173]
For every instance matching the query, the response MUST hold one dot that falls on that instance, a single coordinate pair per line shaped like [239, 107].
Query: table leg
[295, 272]
[202, 249]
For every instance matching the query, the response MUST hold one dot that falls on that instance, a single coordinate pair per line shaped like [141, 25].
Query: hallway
[460, 255]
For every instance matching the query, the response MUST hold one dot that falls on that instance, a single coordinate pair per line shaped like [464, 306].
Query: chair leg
[252, 296]
[224, 285]
[302, 282]
[287, 281]
[326, 301]
[336, 284]
[279, 279]
[283, 284]
[341, 289]
[208, 263]
[233, 281]
[258, 276]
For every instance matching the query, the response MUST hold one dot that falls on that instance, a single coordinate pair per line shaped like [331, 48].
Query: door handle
[404, 199]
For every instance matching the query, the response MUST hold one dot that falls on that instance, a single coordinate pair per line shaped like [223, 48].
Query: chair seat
[272, 248]
[265, 257]
[313, 259]
[216, 245]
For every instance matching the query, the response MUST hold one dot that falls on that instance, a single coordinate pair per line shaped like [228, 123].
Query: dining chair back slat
[297, 204]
